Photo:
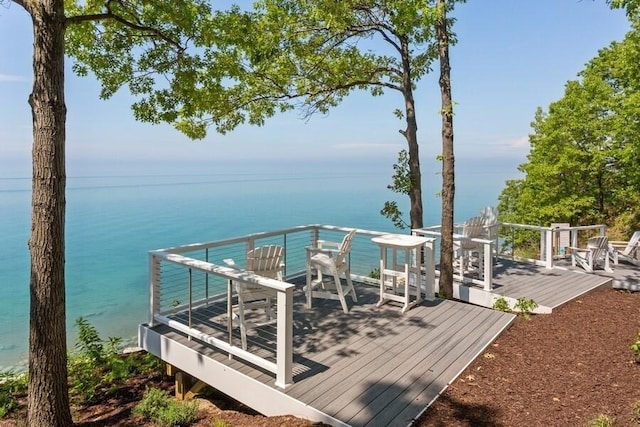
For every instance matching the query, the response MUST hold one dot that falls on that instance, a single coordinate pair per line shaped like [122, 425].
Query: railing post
[488, 266]
[549, 247]
[429, 263]
[284, 339]
[154, 288]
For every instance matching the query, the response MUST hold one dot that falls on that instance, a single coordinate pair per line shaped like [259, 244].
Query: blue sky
[512, 57]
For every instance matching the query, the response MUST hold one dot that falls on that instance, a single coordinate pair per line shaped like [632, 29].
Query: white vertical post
[429, 270]
[488, 266]
[154, 288]
[549, 247]
[284, 339]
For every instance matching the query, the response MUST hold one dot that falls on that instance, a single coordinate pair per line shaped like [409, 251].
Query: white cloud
[519, 142]
[11, 78]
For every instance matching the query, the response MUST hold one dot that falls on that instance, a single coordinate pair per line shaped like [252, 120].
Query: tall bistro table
[393, 273]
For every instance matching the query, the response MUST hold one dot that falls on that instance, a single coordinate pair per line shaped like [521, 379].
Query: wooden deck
[372, 366]
[624, 276]
[549, 288]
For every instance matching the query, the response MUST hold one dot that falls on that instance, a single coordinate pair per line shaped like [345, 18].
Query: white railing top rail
[261, 235]
[227, 272]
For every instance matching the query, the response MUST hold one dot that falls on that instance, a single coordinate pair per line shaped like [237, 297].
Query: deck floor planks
[320, 385]
[549, 287]
[372, 367]
[422, 396]
[398, 382]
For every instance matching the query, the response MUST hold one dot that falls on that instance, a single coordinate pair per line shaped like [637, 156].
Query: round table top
[400, 240]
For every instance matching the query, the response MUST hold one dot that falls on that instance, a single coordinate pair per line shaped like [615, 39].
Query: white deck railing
[491, 248]
[487, 253]
[189, 277]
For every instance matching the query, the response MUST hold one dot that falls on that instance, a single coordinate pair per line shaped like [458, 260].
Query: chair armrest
[312, 251]
[326, 243]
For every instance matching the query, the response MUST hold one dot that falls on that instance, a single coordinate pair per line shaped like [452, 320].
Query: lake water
[112, 222]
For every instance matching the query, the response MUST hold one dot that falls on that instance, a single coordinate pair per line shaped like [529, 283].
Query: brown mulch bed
[562, 369]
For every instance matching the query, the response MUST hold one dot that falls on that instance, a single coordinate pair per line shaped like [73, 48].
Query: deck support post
[187, 387]
[284, 339]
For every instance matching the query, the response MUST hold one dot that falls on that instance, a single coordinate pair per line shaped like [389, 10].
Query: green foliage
[159, 407]
[501, 304]
[12, 385]
[97, 364]
[635, 412]
[584, 163]
[525, 306]
[635, 347]
[375, 273]
[602, 420]
[402, 184]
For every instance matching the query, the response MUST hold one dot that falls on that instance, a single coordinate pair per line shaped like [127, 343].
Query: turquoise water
[112, 222]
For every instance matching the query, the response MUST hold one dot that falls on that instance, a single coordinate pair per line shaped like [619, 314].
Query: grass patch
[159, 407]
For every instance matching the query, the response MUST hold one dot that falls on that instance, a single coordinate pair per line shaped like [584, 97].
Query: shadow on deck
[371, 366]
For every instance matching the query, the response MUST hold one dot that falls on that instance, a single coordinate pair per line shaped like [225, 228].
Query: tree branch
[110, 15]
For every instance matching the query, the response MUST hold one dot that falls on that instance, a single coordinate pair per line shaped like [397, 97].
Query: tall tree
[310, 54]
[48, 403]
[584, 159]
[448, 161]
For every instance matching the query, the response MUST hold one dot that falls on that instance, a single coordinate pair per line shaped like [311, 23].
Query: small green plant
[12, 386]
[525, 306]
[602, 420]
[501, 304]
[635, 348]
[635, 412]
[375, 273]
[159, 407]
[98, 364]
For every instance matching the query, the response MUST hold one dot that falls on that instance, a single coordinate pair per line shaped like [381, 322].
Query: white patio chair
[264, 261]
[465, 247]
[334, 263]
[627, 251]
[490, 216]
[597, 252]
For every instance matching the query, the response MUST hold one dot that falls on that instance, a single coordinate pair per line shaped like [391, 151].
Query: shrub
[635, 348]
[12, 385]
[602, 420]
[525, 306]
[98, 364]
[159, 407]
[635, 412]
[501, 304]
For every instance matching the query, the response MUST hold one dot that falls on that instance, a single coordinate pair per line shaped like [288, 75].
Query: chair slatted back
[345, 248]
[633, 244]
[266, 261]
[473, 227]
[599, 247]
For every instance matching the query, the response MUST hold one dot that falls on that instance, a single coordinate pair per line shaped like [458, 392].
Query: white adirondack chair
[597, 252]
[490, 216]
[334, 263]
[628, 252]
[264, 261]
[465, 247]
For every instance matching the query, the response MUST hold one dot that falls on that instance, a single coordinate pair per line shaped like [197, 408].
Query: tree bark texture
[411, 135]
[48, 400]
[448, 160]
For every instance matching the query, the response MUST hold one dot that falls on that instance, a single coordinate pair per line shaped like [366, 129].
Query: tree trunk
[48, 400]
[448, 161]
[411, 135]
